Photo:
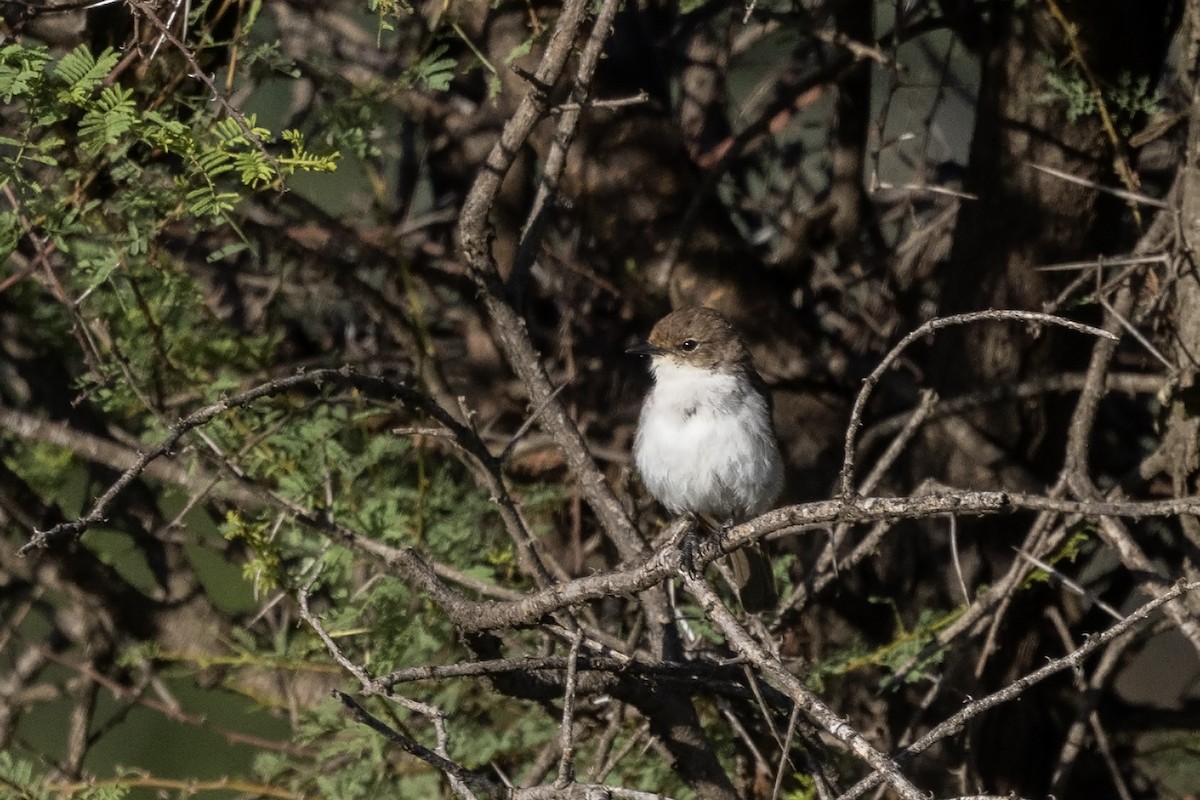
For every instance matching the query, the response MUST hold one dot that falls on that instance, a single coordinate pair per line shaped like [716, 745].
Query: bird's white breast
[705, 443]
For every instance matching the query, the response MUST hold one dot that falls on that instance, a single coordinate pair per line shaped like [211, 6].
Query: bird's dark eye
[688, 345]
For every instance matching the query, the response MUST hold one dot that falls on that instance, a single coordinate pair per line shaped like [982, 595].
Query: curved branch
[508, 324]
[860, 402]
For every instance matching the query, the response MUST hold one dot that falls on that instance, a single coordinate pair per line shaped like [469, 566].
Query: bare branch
[445, 765]
[509, 327]
[860, 402]
[821, 714]
[566, 766]
[953, 724]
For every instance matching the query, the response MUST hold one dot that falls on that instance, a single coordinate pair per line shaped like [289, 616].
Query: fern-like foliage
[106, 172]
[107, 122]
[111, 118]
[82, 73]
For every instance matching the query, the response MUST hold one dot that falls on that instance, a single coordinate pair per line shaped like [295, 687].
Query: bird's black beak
[644, 349]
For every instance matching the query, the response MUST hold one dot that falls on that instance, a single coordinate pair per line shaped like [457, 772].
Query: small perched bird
[705, 444]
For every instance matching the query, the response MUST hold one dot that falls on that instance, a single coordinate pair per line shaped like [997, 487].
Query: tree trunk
[1023, 217]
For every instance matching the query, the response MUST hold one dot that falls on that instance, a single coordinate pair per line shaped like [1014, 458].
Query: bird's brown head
[697, 337]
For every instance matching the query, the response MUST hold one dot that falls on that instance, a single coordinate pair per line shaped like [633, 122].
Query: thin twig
[603, 748]
[962, 583]
[330, 645]
[616, 102]
[1070, 584]
[860, 402]
[813, 706]
[1132, 383]
[619, 755]
[461, 779]
[412, 747]
[1132, 330]
[196, 71]
[955, 723]
[827, 564]
[1101, 262]
[202, 416]
[528, 424]
[511, 336]
[784, 758]
[1124, 194]
[566, 763]
[925, 406]
[117, 456]
[1086, 716]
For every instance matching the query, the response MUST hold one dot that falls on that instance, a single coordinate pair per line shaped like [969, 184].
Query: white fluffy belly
[705, 445]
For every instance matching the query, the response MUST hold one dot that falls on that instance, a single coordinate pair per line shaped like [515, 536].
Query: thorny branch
[558, 603]
[837, 727]
[860, 402]
[1072, 660]
[475, 616]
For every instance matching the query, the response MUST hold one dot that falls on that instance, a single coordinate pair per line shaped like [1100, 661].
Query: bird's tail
[755, 579]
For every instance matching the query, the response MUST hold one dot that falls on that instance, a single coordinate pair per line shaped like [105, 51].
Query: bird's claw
[687, 553]
[688, 543]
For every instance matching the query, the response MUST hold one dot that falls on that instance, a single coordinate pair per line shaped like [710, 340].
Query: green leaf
[227, 251]
[435, 71]
[520, 51]
[83, 72]
[10, 232]
[22, 70]
[114, 115]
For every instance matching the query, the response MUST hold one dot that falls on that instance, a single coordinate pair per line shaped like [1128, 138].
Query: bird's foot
[687, 550]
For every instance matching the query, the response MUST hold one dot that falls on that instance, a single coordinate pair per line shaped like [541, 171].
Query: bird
[705, 444]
